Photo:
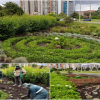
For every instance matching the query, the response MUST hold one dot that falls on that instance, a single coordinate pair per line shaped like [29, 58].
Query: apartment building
[43, 7]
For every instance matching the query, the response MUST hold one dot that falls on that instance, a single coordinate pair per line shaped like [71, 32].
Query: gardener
[1, 75]
[19, 72]
[35, 91]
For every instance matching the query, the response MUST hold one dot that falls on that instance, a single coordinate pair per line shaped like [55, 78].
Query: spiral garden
[43, 49]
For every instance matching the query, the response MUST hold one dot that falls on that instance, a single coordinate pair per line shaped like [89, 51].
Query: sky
[85, 4]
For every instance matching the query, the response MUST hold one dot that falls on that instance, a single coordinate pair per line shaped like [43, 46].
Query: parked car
[62, 19]
[87, 19]
[74, 19]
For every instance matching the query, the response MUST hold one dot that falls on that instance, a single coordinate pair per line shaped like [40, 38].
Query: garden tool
[1, 75]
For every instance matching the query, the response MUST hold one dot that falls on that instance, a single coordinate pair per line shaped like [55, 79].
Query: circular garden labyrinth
[48, 50]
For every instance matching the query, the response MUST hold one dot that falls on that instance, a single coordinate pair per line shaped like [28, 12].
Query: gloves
[26, 96]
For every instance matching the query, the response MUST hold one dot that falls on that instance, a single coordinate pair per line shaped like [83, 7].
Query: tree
[1, 7]
[74, 15]
[94, 69]
[87, 14]
[11, 8]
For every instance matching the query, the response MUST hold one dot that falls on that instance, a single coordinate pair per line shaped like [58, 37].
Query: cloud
[4, 1]
[85, 7]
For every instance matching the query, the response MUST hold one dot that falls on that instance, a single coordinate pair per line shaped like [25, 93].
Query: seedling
[9, 87]
[10, 82]
[22, 96]
[89, 97]
[86, 93]
[95, 93]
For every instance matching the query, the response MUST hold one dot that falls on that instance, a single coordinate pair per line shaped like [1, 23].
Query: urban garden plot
[34, 75]
[52, 49]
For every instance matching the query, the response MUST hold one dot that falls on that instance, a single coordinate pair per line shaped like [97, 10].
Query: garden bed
[88, 51]
[90, 92]
[88, 86]
[14, 92]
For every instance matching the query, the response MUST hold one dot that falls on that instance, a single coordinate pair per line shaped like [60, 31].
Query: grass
[89, 72]
[92, 20]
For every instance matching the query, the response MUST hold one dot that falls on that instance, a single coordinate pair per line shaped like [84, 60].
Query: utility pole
[90, 9]
[50, 6]
[80, 11]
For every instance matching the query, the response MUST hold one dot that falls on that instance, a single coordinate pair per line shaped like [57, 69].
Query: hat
[17, 66]
[26, 85]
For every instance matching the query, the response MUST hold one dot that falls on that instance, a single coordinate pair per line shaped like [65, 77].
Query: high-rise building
[66, 6]
[43, 7]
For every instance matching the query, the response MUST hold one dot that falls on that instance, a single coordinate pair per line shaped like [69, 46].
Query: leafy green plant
[3, 95]
[62, 89]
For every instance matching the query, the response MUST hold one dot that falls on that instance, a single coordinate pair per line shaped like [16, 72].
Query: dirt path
[14, 92]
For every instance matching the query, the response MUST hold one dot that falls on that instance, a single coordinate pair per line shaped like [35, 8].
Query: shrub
[87, 69]
[98, 34]
[20, 60]
[61, 23]
[52, 14]
[6, 28]
[32, 75]
[3, 57]
[19, 25]
[68, 20]
[94, 69]
[62, 15]
[53, 69]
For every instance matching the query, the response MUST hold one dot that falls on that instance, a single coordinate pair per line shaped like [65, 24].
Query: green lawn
[94, 72]
[92, 20]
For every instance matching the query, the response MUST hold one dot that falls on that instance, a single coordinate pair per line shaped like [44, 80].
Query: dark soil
[89, 90]
[16, 91]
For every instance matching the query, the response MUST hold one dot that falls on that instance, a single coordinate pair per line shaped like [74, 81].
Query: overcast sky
[85, 4]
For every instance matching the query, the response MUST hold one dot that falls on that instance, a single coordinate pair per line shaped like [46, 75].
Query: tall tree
[11, 8]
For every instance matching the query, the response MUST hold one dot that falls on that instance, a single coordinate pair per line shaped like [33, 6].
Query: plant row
[32, 75]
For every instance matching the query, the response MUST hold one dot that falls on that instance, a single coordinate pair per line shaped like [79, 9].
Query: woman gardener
[35, 91]
[19, 72]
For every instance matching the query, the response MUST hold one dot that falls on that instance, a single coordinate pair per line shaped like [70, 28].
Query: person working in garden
[35, 91]
[19, 72]
[1, 75]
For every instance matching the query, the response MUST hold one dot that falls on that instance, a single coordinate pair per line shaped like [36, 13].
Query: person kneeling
[35, 91]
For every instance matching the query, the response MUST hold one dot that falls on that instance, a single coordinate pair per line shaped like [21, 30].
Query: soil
[42, 44]
[89, 89]
[16, 91]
